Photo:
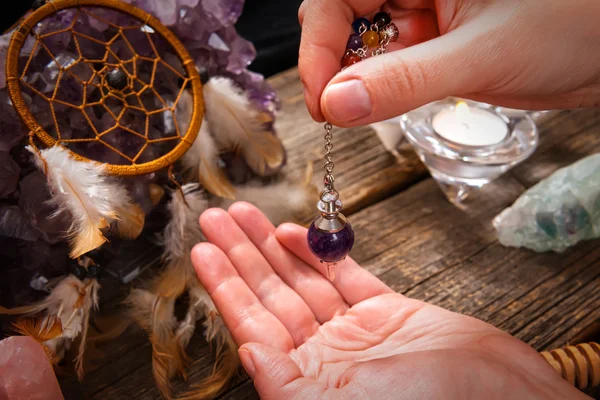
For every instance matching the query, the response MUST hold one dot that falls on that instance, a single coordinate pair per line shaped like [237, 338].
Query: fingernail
[347, 101]
[247, 362]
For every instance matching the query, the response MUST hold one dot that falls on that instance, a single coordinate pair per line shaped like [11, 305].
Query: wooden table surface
[410, 236]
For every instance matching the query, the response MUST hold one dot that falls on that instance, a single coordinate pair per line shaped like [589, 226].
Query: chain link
[382, 49]
[329, 164]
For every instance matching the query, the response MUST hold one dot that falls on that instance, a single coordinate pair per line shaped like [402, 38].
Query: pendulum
[330, 236]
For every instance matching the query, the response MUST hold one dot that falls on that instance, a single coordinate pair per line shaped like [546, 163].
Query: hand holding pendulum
[330, 236]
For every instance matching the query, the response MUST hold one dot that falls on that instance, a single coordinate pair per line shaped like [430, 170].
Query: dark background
[271, 25]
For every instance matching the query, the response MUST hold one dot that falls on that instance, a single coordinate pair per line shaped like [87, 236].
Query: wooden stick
[579, 365]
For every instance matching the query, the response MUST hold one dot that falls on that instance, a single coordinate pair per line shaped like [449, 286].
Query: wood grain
[417, 242]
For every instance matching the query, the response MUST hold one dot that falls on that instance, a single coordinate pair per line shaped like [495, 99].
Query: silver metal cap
[331, 220]
[330, 225]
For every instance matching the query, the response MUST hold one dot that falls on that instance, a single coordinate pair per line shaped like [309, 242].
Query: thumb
[385, 86]
[276, 375]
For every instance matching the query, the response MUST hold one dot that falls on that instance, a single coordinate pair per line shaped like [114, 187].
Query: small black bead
[37, 4]
[93, 254]
[381, 19]
[79, 272]
[94, 271]
[204, 77]
[117, 79]
[98, 255]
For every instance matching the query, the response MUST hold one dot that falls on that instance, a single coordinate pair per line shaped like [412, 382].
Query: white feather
[184, 111]
[200, 304]
[144, 303]
[202, 159]
[58, 347]
[214, 325]
[153, 309]
[193, 157]
[70, 302]
[215, 329]
[181, 235]
[92, 200]
[183, 230]
[237, 126]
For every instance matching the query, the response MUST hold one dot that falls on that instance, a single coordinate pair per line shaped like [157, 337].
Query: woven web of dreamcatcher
[140, 122]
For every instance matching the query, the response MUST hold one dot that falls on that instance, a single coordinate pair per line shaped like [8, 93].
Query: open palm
[303, 337]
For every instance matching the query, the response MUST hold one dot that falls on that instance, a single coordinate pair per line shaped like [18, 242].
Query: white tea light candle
[467, 145]
[469, 126]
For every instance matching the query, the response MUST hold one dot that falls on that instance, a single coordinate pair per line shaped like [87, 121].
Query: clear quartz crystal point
[331, 271]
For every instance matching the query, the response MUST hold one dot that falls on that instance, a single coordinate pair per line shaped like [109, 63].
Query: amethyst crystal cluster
[32, 244]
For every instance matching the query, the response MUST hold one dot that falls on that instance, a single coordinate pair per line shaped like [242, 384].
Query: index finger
[245, 316]
[326, 25]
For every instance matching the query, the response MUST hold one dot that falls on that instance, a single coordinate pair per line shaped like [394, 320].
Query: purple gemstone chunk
[328, 246]
[355, 42]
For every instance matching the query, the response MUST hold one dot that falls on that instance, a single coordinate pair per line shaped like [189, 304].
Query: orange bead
[350, 59]
[371, 38]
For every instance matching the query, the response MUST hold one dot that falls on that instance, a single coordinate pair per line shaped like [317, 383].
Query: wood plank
[128, 373]
[430, 250]
[244, 391]
[561, 143]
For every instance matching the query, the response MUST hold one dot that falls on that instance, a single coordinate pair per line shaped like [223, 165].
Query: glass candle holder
[467, 144]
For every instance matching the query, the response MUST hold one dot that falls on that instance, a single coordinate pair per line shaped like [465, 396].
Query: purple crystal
[35, 255]
[139, 189]
[33, 200]
[15, 224]
[355, 42]
[12, 130]
[9, 174]
[330, 246]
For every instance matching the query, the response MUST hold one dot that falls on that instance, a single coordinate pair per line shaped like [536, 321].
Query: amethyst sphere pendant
[330, 236]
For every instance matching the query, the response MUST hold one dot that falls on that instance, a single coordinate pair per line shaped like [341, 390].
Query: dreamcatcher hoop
[13, 81]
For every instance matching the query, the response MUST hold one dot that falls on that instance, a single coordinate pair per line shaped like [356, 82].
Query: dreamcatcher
[107, 91]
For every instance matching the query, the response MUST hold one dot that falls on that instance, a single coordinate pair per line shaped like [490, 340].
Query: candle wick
[466, 126]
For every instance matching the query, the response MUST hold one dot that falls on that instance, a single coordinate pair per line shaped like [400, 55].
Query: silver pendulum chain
[331, 220]
[328, 179]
